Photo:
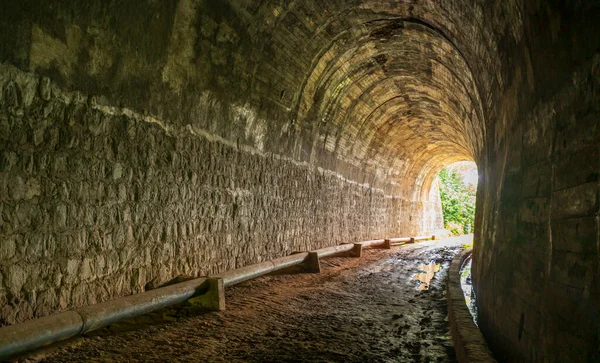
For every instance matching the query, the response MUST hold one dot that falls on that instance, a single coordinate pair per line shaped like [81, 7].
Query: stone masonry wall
[97, 202]
[542, 249]
[537, 246]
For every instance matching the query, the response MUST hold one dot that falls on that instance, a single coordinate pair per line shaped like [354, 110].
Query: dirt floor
[372, 309]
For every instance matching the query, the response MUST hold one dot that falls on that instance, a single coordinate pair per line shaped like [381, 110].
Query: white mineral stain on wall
[256, 127]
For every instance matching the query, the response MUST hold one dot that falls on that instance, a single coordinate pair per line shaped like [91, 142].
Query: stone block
[534, 210]
[356, 250]
[17, 187]
[7, 248]
[16, 277]
[576, 235]
[579, 201]
[573, 269]
[213, 298]
[577, 168]
[312, 263]
[387, 244]
[536, 180]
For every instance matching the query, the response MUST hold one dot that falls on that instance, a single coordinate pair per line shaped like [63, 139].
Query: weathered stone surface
[15, 278]
[7, 249]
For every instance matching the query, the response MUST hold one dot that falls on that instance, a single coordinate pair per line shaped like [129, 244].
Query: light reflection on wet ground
[429, 271]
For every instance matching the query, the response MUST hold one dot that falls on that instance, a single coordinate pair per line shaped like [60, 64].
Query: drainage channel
[466, 284]
[469, 343]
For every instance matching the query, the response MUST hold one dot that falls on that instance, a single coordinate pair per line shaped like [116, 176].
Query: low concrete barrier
[469, 343]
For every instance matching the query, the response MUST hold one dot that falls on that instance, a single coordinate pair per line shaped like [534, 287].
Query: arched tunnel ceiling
[390, 85]
[383, 92]
[390, 98]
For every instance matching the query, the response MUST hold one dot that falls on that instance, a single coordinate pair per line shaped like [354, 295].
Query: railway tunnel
[142, 140]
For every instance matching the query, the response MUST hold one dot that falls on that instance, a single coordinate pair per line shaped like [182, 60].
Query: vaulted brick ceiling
[386, 86]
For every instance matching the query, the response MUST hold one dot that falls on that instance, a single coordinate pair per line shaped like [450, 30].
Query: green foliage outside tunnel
[458, 197]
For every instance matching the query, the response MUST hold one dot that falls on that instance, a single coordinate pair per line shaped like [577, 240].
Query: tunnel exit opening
[458, 188]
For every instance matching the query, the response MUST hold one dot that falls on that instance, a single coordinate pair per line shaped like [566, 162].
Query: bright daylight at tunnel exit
[300, 181]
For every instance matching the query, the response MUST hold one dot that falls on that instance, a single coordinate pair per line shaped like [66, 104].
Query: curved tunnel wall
[145, 140]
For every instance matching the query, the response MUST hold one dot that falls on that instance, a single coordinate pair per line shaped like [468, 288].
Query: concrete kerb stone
[387, 244]
[357, 250]
[469, 344]
[214, 298]
[312, 263]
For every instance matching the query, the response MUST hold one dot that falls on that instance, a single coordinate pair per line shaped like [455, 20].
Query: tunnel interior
[145, 140]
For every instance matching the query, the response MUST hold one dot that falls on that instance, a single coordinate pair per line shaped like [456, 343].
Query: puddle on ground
[425, 277]
[467, 288]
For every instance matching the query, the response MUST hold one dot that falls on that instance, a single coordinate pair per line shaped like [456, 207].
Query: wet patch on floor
[426, 275]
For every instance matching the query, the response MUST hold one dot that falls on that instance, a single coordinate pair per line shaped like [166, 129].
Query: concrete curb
[468, 341]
